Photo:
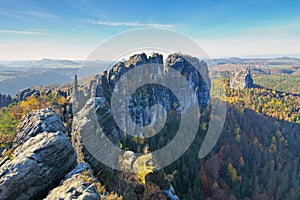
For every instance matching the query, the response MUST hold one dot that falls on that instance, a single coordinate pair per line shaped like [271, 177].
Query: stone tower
[241, 79]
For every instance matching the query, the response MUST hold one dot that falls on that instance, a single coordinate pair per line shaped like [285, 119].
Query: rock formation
[86, 121]
[170, 193]
[23, 94]
[37, 165]
[5, 100]
[96, 116]
[41, 156]
[35, 123]
[199, 80]
[78, 184]
[241, 79]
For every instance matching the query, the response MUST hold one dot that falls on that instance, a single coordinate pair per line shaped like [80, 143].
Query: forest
[256, 157]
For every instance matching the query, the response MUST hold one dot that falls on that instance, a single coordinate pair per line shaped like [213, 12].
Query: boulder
[78, 184]
[37, 122]
[27, 92]
[127, 161]
[170, 193]
[37, 165]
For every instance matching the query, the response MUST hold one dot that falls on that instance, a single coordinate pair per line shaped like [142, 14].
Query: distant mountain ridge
[13, 85]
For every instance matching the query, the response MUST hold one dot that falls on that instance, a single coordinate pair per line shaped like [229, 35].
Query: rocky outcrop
[23, 94]
[86, 120]
[78, 184]
[96, 116]
[170, 193]
[32, 124]
[241, 79]
[5, 100]
[41, 155]
[37, 165]
[195, 71]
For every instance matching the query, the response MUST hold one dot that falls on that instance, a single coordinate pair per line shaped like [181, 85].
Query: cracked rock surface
[38, 122]
[78, 184]
[38, 165]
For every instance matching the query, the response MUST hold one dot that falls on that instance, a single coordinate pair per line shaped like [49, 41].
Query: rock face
[5, 100]
[97, 110]
[41, 156]
[170, 194]
[78, 184]
[199, 80]
[23, 94]
[241, 79]
[38, 164]
[195, 71]
[85, 121]
[44, 120]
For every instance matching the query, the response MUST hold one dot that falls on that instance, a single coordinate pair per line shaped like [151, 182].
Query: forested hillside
[284, 83]
[256, 157]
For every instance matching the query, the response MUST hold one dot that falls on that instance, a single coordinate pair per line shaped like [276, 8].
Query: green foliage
[11, 116]
[285, 83]
[8, 127]
[264, 101]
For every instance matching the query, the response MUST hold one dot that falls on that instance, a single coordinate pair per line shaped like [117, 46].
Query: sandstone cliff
[40, 157]
[5, 100]
[241, 79]
[94, 113]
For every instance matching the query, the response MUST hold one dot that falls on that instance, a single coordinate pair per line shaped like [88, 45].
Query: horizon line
[262, 56]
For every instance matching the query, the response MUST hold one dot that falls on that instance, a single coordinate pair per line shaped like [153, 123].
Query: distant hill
[17, 75]
[44, 63]
[55, 62]
[13, 85]
[262, 66]
[270, 61]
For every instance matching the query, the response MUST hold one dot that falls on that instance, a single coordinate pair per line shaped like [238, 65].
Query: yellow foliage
[255, 141]
[61, 100]
[143, 166]
[143, 171]
[238, 138]
[135, 138]
[113, 196]
[232, 173]
[31, 104]
[215, 186]
[138, 140]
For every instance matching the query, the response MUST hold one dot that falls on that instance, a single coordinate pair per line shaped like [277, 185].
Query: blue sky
[72, 29]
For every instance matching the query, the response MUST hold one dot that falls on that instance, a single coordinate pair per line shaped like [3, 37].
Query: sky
[63, 29]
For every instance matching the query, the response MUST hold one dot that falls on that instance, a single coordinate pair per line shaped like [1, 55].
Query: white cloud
[39, 14]
[131, 24]
[11, 15]
[27, 14]
[21, 32]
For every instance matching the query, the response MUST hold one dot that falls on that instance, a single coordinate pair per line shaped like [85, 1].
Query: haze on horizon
[32, 29]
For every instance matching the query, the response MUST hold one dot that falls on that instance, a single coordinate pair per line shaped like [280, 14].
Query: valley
[256, 156]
